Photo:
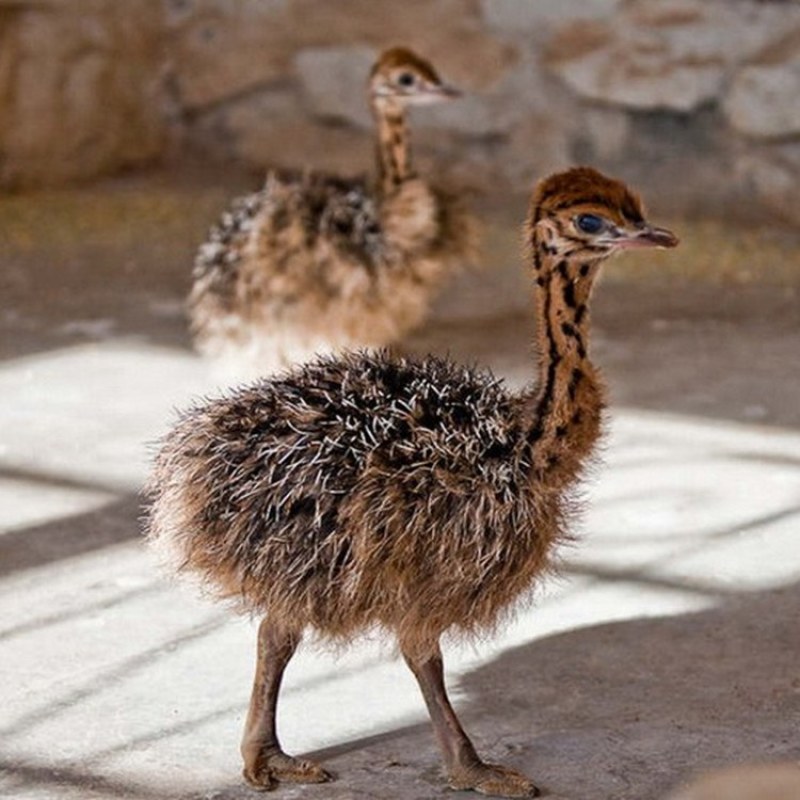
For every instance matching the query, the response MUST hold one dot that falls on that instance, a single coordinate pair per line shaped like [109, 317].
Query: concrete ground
[669, 644]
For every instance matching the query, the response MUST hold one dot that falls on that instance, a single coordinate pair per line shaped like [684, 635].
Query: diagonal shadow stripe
[642, 573]
[114, 676]
[70, 536]
[27, 775]
[55, 480]
[60, 617]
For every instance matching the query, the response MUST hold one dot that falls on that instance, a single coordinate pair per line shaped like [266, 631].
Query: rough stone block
[763, 99]
[334, 82]
[495, 112]
[675, 54]
[534, 19]
[85, 92]
[448, 32]
[632, 69]
[220, 50]
[772, 173]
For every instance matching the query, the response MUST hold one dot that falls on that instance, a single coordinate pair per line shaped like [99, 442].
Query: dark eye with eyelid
[589, 223]
[405, 79]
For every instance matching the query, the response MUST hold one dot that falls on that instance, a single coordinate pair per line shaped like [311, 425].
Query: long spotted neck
[563, 413]
[394, 145]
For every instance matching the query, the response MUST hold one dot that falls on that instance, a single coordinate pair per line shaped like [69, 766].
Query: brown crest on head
[402, 58]
[585, 186]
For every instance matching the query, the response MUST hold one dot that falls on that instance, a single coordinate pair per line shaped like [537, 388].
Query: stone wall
[81, 88]
[697, 99]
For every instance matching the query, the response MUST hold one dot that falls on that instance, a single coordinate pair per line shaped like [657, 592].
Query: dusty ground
[669, 646]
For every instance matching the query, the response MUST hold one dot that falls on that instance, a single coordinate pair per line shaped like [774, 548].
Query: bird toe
[277, 768]
[495, 780]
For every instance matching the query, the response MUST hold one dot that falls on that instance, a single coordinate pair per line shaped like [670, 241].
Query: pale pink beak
[647, 237]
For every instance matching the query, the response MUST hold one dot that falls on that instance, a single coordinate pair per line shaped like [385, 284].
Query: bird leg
[465, 770]
[265, 763]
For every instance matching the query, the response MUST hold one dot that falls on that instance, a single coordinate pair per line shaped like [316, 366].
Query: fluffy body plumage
[315, 263]
[418, 496]
[361, 491]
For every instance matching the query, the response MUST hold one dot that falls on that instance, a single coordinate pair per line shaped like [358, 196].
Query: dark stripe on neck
[394, 149]
[546, 396]
[569, 294]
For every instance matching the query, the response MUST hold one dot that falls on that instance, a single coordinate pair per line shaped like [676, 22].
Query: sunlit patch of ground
[664, 646]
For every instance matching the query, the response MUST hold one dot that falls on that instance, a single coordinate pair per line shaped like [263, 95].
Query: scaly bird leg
[465, 770]
[265, 763]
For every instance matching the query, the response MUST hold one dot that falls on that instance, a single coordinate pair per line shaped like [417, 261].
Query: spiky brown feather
[361, 492]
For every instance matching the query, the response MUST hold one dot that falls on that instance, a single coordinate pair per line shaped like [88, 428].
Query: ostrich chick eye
[589, 223]
[405, 79]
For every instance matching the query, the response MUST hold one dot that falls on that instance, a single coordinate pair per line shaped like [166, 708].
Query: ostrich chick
[316, 263]
[415, 496]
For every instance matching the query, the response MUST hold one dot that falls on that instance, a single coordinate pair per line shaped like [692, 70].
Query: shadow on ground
[621, 711]
[67, 537]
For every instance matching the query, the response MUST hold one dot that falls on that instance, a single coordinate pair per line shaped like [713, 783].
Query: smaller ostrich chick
[416, 496]
[317, 263]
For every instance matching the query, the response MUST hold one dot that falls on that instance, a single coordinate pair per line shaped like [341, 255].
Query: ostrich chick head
[401, 76]
[581, 213]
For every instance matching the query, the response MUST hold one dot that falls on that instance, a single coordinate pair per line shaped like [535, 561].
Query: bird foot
[267, 770]
[493, 780]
